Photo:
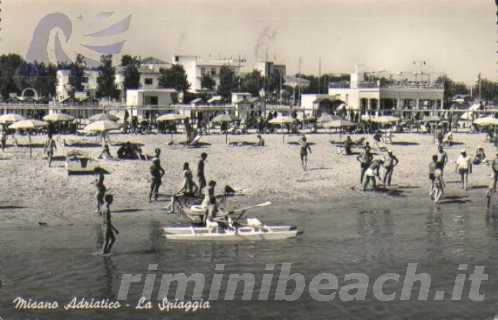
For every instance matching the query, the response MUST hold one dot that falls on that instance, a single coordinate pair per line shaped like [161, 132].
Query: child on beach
[50, 147]
[464, 167]
[109, 229]
[305, 147]
[157, 172]
[101, 189]
[200, 172]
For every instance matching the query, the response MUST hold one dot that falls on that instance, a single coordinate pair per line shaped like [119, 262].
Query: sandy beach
[31, 192]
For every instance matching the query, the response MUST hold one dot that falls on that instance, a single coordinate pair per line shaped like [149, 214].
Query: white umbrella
[58, 117]
[10, 118]
[102, 126]
[28, 125]
[282, 120]
[222, 118]
[103, 116]
[171, 117]
[486, 121]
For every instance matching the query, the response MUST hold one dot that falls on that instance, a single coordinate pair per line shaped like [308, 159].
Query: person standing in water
[50, 148]
[157, 172]
[109, 229]
[442, 158]
[464, 167]
[101, 189]
[304, 148]
[390, 161]
[200, 172]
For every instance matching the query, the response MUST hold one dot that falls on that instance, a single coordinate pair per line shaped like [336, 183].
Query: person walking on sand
[109, 229]
[364, 158]
[442, 158]
[304, 149]
[200, 172]
[433, 166]
[464, 168]
[101, 189]
[390, 161]
[50, 148]
[157, 172]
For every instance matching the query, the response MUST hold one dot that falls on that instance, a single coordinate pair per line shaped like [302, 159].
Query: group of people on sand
[370, 167]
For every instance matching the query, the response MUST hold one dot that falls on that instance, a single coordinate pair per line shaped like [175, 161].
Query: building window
[149, 81]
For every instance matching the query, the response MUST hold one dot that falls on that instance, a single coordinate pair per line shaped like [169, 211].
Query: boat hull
[193, 233]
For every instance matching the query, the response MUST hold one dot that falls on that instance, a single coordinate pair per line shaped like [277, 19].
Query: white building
[196, 67]
[269, 68]
[150, 72]
[373, 97]
[64, 89]
[150, 97]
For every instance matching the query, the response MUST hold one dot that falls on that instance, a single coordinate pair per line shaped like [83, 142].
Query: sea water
[59, 263]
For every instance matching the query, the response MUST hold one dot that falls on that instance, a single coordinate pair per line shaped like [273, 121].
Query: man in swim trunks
[305, 147]
[200, 172]
[157, 172]
[464, 167]
[442, 158]
[109, 229]
[364, 158]
[390, 161]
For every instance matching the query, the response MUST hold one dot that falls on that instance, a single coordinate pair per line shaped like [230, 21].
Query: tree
[77, 69]
[207, 82]
[105, 80]
[130, 67]
[228, 82]
[174, 77]
[489, 90]
[252, 82]
[8, 68]
[452, 88]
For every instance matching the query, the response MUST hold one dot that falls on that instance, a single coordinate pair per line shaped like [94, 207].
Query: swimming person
[50, 147]
[157, 172]
[442, 158]
[390, 161]
[305, 147]
[464, 167]
[200, 172]
[109, 229]
[101, 189]
[364, 158]
[371, 173]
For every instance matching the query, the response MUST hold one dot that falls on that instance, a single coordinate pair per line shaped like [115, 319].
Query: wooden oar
[264, 204]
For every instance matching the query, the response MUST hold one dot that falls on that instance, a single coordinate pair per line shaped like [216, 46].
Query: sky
[456, 37]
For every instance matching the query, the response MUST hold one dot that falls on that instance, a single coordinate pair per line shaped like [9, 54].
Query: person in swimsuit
[200, 172]
[364, 158]
[209, 201]
[442, 158]
[4, 137]
[157, 172]
[109, 229]
[390, 161]
[371, 173]
[189, 188]
[433, 165]
[50, 148]
[464, 168]
[305, 147]
[101, 189]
